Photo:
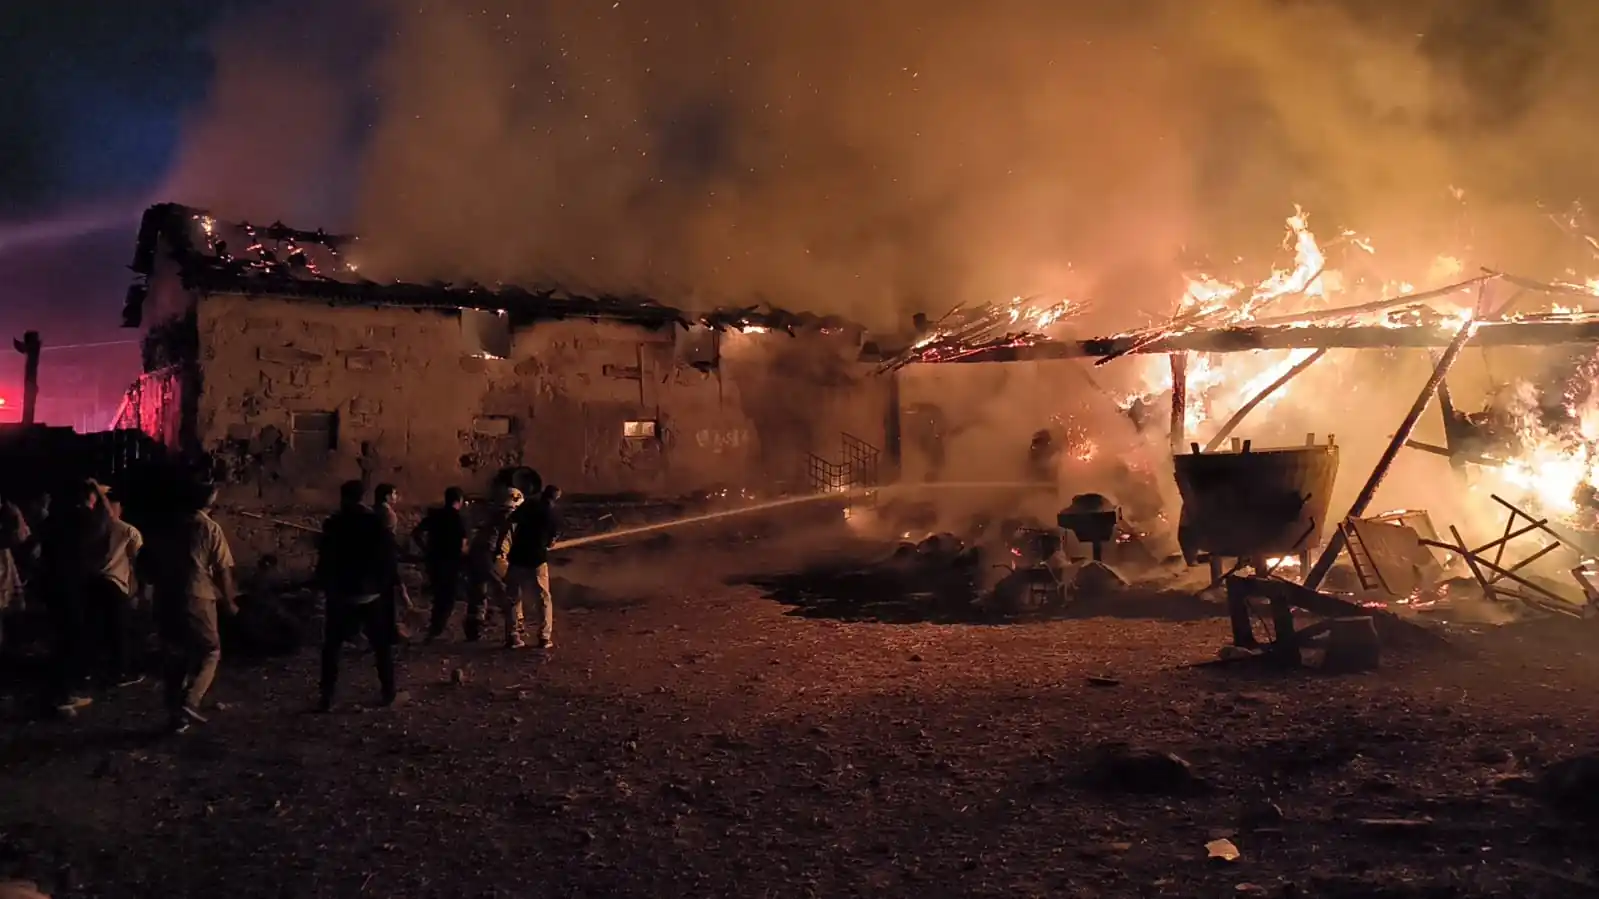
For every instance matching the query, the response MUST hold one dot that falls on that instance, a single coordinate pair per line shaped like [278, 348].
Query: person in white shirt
[109, 596]
[192, 579]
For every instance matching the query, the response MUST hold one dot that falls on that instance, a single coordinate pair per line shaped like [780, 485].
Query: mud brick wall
[295, 397]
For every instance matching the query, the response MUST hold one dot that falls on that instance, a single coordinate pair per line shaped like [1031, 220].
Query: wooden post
[29, 346]
[1179, 401]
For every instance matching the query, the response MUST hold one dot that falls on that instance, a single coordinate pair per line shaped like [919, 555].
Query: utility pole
[29, 346]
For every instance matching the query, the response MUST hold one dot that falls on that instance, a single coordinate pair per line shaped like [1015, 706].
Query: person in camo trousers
[192, 578]
[488, 563]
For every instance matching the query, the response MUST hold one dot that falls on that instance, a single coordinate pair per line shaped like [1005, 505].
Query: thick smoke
[879, 158]
[847, 157]
[278, 136]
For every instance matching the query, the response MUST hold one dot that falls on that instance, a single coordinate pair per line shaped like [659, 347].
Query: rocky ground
[694, 734]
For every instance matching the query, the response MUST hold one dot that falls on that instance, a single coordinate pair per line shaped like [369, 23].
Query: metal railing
[857, 468]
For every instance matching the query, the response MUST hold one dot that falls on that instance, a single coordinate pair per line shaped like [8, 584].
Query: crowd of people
[89, 570]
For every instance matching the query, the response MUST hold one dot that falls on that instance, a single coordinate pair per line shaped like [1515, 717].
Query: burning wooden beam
[1239, 340]
[1179, 401]
[1379, 472]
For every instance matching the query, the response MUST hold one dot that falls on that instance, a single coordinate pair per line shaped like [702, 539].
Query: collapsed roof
[1413, 320]
[221, 257]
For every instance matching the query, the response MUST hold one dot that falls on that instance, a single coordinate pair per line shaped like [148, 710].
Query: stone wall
[296, 397]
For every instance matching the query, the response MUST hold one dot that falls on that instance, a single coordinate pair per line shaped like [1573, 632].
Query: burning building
[268, 353]
[1328, 344]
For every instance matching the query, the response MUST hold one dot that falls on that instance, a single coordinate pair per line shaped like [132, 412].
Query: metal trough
[1252, 503]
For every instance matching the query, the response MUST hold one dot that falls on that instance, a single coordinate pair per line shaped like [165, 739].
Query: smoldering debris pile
[987, 568]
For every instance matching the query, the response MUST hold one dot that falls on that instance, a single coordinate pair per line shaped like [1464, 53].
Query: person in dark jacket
[357, 569]
[13, 536]
[528, 577]
[63, 568]
[442, 538]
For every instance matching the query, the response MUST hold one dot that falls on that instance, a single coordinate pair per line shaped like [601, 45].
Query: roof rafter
[1551, 332]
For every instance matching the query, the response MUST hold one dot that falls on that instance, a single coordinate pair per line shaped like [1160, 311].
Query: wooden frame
[1492, 573]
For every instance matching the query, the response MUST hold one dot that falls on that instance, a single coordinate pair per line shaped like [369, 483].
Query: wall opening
[646, 429]
[493, 425]
[315, 431]
[486, 333]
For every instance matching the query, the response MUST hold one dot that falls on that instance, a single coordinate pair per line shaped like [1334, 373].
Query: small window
[315, 431]
[639, 430]
[492, 426]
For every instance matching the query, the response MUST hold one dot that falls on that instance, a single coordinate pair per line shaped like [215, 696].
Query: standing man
[442, 538]
[488, 565]
[36, 514]
[357, 567]
[109, 595]
[192, 577]
[536, 525]
[13, 537]
[552, 499]
[64, 563]
[384, 499]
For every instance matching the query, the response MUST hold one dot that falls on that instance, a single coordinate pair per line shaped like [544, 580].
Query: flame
[1303, 278]
[1206, 295]
[1218, 385]
[1034, 316]
[1552, 465]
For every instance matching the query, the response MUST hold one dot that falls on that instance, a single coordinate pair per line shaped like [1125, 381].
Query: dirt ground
[696, 735]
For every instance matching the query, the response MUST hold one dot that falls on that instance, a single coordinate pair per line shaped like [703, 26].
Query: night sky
[90, 119]
[98, 97]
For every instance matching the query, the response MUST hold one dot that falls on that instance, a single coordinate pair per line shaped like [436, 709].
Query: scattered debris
[1394, 826]
[1119, 767]
[1572, 785]
[1222, 851]
[1264, 815]
[1352, 646]
[1097, 577]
